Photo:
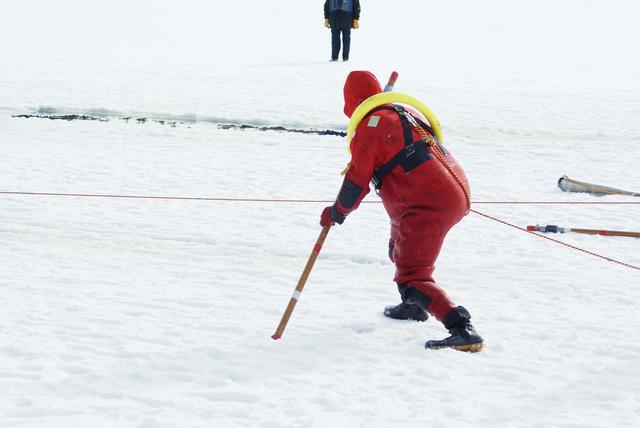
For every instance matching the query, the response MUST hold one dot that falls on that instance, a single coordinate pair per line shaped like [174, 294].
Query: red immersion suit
[423, 203]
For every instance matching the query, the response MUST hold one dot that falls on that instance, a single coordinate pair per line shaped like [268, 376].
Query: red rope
[187, 198]
[293, 201]
[178, 198]
[556, 241]
[557, 202]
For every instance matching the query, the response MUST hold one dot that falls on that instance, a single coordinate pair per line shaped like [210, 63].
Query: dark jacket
[339, 18]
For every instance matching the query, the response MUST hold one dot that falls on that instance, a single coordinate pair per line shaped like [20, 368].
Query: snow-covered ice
[154, 313]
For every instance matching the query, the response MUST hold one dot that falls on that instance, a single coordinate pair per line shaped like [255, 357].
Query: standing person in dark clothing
[341, 16]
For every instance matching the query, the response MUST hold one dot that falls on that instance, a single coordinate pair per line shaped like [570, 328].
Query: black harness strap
[412, 155]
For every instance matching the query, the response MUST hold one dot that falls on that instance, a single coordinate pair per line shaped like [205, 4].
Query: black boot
[405, 311]
[463, 336]
[413, 306]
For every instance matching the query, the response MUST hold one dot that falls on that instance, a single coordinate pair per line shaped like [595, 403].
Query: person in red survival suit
[422, 197]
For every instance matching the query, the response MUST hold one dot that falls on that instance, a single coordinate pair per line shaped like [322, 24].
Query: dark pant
[335, 42]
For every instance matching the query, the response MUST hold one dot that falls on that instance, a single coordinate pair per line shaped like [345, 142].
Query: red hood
[359, 86]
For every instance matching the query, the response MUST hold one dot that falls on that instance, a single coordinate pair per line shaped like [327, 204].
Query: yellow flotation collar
[388, 98]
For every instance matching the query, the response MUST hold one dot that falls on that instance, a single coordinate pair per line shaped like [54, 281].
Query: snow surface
[158, 313]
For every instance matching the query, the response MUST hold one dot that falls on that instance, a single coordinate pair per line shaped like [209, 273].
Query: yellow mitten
[355, 24]
[326, 24]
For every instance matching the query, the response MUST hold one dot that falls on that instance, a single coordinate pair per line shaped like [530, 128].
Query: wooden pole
[556, 229]
[607, 232]
[392, 82]
[566, 184]
[301, 282]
